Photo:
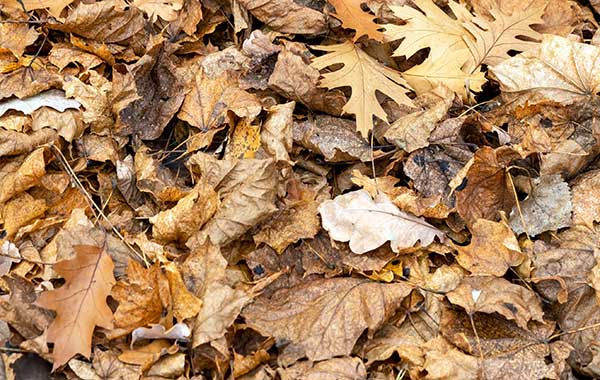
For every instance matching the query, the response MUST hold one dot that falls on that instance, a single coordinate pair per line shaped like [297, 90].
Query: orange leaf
[80, 304]
[352, 16]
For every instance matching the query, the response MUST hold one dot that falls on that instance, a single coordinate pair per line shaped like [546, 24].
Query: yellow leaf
[365, 76]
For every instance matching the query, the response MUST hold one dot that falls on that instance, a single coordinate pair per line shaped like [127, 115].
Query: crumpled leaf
[204, 273]
[325, 317]
[19, 175]
[368, 224]
[286, 16]
[444, 362]
[52, 98]
[80, 304]
[165, 9]
[94, 98]
[158, 88]
[585, 203]
[185, 304]
[107, 21]
[16, 37]
[187, 216]
[561, 70]
[247, 190]
[152, 177]
[488, 294]
[548, 207]
[493, 249]
[365, 76]
[63, 54]
[344, 368]
[179, 332]
[332, 137]
[276, 132]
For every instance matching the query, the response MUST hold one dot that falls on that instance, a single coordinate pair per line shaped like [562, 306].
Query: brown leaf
[586, 209]
[286, 16]
[247, 191]
[493, 249]
[444, 362]
[152, 177]
[211, 97]
[187, 216]
[368, 224]
[94, 98]
[63, 54]
[488, 189]
[142, 297]
[19, 175]
[185, 304]
[487, 294]
[27, 82]
[548, 207]
[343, 368]
[325, 317]
[108, 21]
[80, 304]
[295, 79]
[332, 137]
[159, 91]
[20, 210]
[204, 273]
[16, 37]
[276, 132]
[20, 311]
[165, 9]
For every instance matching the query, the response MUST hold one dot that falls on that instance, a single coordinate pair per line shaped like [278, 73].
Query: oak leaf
[368, 224]
[80, 304]
[325, 317]
[365, 76]
[351, 15]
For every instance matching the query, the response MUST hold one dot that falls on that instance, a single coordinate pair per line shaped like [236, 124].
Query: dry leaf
[286, 16]
[586, 209]
[365, 76]
[165, 9]
[80, 304]
[353, 17]
[344, 368]
[185, 304]
[547, 208]
[493, 249]
[16, 37]
[325, 317]
[179, 332]
[276, 133]
[368, 224]
[488, 294]
[561, 70]
[52, 98]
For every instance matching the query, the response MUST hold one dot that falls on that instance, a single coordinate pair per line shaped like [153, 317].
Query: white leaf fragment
[368, 224]
[51, 98]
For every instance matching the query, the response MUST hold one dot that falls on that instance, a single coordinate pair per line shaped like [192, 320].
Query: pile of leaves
[299, 189]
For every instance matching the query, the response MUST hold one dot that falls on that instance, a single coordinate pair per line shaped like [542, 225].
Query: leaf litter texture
[300, 189]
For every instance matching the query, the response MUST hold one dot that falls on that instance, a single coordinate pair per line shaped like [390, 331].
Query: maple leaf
[365, 76]
[350, 13]
[80, 304]
[368, 224]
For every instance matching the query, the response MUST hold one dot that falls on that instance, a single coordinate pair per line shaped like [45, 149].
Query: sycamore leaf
[561, 70]
[80, 304]
[352, 16]
[326, 317]
[365, 76]
[368, 224]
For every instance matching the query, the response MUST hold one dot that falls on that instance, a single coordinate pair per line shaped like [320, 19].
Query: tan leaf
[68, 124]
[152, 177]
[108, 367]
[209, 100]
[187, 216]
[344, 368]
[286, 16]
[16, 37]
[276, 134]
[55, 7]
[63, 54]
[493, 249]
[365, 76]
[350, 13]
[561, 70]
[17, 176]
[368, 224]
[204, 273]
[247, 191]
[165, 9]
[142, 297]
[80, 304]
[185, 304]
[107, 21]
[20, 210]
[325, 317]
[14, 143]
[586, 205]
[444, 362]
[94, 98]
[547, 207]
[487, 294]
[296, 80]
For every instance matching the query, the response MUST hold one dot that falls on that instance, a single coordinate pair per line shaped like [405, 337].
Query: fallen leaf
[493, 249]
[343, 368]
[444, 362]
[561, 70]
[185, 304]
[179, 332]
[365, 76]
[80, 304]
[547, 207]
[165, 9]
[63, 54]
[276, 132]
[286, 16]
[488, 294]
[16, 37]
[353, 17]
[325, 317]
[368, 224]
[153, 178]
[586, 209]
